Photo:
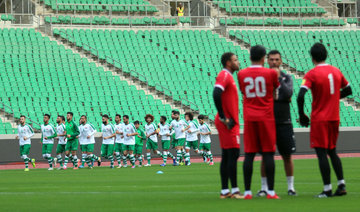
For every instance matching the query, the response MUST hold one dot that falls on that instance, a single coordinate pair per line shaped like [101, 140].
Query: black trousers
[228, 167]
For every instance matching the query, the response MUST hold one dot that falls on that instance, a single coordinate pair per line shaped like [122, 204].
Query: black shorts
[285, 139]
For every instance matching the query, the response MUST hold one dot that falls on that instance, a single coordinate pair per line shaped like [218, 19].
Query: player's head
[69, 116]
[137, 124]
[59, 119]
[149, 118]
[274, 59]
[189, 116]
[175, 114]
[117, 118]
[126, 119]
[257, 54]
[318, 53]
[62, 118]
[105, 119]
[201, 119]
[22, 119]
[83, 119]
[46, 118]
[180, 4]
[163, 119]
[230, 61]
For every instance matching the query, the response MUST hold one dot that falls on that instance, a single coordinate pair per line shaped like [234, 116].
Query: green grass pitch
[194, 188]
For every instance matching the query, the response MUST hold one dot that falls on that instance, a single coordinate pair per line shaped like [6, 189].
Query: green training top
[140, 141]
[72, 130]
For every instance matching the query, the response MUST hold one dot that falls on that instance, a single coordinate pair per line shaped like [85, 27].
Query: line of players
[121, 141]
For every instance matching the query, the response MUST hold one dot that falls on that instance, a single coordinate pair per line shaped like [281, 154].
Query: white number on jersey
[258, 83]
[331, 81]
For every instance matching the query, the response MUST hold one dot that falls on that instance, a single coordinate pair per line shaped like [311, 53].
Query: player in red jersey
[258, 86]
[327, 85]
[227, 123]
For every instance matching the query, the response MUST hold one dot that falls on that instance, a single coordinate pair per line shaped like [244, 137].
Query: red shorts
[259, 136]
[228, 138]
[324, 134]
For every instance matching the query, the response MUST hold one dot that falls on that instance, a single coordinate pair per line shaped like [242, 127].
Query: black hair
[23, 116]
[71, 113]
[136, 122]
[318, 52]
[226, 57]
[175, 112]
[190, 114]
[163, 118]
[202, 117]
[126, 116]
[118, 115]
[47, 115]
[272, 52]
[62, 118]
[105, 116]
[149, 116]
[257, 52]
[84, 116]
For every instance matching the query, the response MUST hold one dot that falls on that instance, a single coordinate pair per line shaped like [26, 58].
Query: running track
[20, 165]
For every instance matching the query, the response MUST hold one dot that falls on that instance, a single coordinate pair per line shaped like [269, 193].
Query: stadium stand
[39, 75]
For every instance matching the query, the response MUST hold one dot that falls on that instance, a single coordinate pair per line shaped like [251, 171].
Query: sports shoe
[139, 165]
[261, 193]
[90, 167]
[237, 195]
[186, 163]
[124, 166]
[33, 162]
[340, 191]
[207, 160]
[50, 169]
[225, 196]
[111, 167]
[64, 168]
[147, 164]
[275, 196]
[99, 161]
[133, 167]
[81, 167]
[249, 196]
[211, 163]
[26, 169]
[163, 164]
[119, 166]
[75, 168]
[292, 193]
[176, 164]
[204, 158]
[92, 163]
[324, 194]
[60, 168]
[181, 163]
[55, 161]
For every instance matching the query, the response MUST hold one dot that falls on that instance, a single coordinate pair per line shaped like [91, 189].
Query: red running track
[19, 165]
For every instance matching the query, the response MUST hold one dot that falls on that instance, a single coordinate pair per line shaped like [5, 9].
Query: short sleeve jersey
[47, 131]
[204, 128]
[129, 129]
[119, 137]
[25, 131]
[257, 84]
[60, 129]
[150, 128]
[107, 131]
[164, 130]
[325, 82]
[229, 98]
[86, 130]
[178, 126]
[194, 128]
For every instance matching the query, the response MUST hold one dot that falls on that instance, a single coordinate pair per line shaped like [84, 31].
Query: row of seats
[284, 22]
[132, 6]
[39, 76]
[7, 17]
[104, 20]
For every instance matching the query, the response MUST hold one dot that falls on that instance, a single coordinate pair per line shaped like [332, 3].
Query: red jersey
[325, 82]
[257, 84]
[229, 98]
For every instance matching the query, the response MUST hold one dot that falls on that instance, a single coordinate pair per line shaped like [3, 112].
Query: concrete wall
[349, 141]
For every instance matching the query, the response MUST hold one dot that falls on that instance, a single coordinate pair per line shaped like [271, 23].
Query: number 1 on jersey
[331, 81]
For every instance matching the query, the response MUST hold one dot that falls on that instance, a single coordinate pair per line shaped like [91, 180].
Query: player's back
[325, 82]
[257, 85]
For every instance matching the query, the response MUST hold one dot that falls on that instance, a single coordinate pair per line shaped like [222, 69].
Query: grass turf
[194, 188]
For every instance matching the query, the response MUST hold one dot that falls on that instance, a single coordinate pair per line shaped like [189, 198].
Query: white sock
[290, 182]
[341, 182]
[327, 187]
[234, 190]
[264, 186]
[271, 192]
[225, 191]
[247, 193]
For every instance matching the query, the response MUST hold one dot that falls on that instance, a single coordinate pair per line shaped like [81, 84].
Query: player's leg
[187, 152]
[325, 171]
[59, 150]
[124, 158]
[117, 154]
[110, 154]
[232, 169]
[131, 155]
[83, 155]
[148, 152]
[247, 171]
[224, 174]
[67, 155]
[126, 152]
[269, 163]
[24, 152]
[165, 145]
[264, 186]
[289, 171]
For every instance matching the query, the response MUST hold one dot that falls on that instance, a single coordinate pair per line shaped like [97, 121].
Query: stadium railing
[134, 75]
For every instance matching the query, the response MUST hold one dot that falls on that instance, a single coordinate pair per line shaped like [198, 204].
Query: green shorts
[151, 144]
[179, 142]
[129, 147]
[87, 148]
[165, 144]
[119, 147]
[191, 144]
[47, 148]
[72, 145]
[205, 146]
[60, 148]
[25, 149]
[107, 150]
[138, 149]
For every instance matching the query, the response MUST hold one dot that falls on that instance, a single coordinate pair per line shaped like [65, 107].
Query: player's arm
[54, 135]
[304, 119]
[92, 131]
[228, 121]
[76, 131]
[286, 88]
[31, 134]
[347, 91]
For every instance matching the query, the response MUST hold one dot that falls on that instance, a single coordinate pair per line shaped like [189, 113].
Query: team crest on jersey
[303, 82]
